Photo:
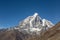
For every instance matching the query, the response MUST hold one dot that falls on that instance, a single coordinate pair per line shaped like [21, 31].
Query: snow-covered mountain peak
[36, 14]
[35, 24]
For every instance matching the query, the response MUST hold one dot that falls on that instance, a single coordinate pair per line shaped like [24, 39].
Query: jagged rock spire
[36, 19]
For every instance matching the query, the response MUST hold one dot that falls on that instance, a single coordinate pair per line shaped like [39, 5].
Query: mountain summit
[32, 28]
[34, 24]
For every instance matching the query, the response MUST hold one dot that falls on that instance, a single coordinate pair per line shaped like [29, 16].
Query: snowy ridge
[34, 24]
[47, 23]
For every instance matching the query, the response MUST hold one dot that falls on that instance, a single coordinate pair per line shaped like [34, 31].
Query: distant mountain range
[32, 28]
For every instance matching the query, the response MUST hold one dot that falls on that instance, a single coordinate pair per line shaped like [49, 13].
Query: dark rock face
[51, 34]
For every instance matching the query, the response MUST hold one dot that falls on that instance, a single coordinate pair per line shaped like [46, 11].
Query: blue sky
[13, 11]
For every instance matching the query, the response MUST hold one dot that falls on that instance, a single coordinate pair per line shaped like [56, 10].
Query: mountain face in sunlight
[32, 28]
[35, 24]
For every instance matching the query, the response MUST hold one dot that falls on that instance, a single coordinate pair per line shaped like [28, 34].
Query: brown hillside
[12, 35]
[52, 34]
